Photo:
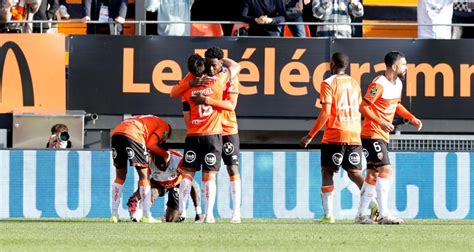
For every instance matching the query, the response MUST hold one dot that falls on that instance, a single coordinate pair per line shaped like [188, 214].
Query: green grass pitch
[251, 235]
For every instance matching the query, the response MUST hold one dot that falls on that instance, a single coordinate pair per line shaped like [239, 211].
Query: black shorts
[333, 156]
[124, 148]
[376, 152]
[203, 152]
[173, 194]
[231, 149]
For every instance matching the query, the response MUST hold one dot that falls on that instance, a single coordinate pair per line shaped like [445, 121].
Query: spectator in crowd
[117, 13]
[263, 17]
[96, 10]
[211, 10]
[294, 13]
[47, 11]
[309, 17]
[63, 9]
[17, 10]
[463, 14]
[171, 10]
[431, 13]
[59, 138]
[336, 11]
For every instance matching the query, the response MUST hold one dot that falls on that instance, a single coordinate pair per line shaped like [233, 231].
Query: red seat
[206, 30]
[287, 32]
[237, 27]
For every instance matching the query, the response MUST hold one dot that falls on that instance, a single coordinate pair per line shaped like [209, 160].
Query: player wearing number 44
[341, 143]
[203, 144]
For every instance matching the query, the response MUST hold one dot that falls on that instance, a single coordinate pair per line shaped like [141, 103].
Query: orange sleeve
[220, 104]
[180, 88]
[326, 93]
[374, 91]
[153, 143]
[403, 112]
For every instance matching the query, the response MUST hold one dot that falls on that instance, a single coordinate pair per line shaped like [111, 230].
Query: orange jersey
[204, 119]
[344, 95]
[140, 128]
[383, 97]
[229, 118]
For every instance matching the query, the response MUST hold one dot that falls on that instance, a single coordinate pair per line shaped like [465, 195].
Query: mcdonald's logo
[25, 74]
[32, 73]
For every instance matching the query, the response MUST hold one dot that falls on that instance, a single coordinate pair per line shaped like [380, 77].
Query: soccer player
[341, 144]
[131, 140]
[165, 177]
[203, 144]
[230, 136]
[380, 104]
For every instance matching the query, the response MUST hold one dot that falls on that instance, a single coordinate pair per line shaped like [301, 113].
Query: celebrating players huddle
[209, 94]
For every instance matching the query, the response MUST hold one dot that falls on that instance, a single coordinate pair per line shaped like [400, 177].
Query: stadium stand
[390, 11]
[206, 30]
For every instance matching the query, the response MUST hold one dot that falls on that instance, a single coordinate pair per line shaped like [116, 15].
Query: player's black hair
[340, 60]
[392, 57]
[196, 65]
[214, 53]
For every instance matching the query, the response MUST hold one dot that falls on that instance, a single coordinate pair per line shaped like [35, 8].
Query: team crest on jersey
[114, 153]
[354, 158]
[373, 91]
[228, 148]
[190, 156]
[130, 152]
[380, 155]
[210, 159]
[366, 153]
[337, 158]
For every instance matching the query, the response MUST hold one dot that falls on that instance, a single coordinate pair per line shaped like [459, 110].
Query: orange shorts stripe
[382, 175]
[326, 189]
[370, 181]
[144, 182]
[187, 176]
[235, 177]
[119, 181]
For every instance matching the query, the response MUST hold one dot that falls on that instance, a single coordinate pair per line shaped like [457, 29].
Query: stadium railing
[140, 24]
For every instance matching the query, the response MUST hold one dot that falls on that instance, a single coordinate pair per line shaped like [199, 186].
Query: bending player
[165, 177]
[131, 141]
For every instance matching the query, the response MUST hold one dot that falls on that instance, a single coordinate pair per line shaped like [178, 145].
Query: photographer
[59, 137]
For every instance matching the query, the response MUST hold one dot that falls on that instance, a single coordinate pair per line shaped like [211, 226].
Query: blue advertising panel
[275, 184]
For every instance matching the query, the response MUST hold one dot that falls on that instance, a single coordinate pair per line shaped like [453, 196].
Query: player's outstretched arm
[216, 104]
[403, 112]
[152, 145]
[180, 88]
[233, 67]
[317, 126]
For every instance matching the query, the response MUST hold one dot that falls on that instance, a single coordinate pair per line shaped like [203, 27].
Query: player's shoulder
[381, 80]
[330, 80]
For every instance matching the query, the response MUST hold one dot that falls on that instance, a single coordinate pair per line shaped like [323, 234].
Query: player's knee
[327, 172]
[209, 175]
[385, 171]
[121, 174]
[354, 173]
[233, 170]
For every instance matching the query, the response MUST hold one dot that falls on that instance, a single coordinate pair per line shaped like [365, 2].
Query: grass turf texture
[252, 234]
